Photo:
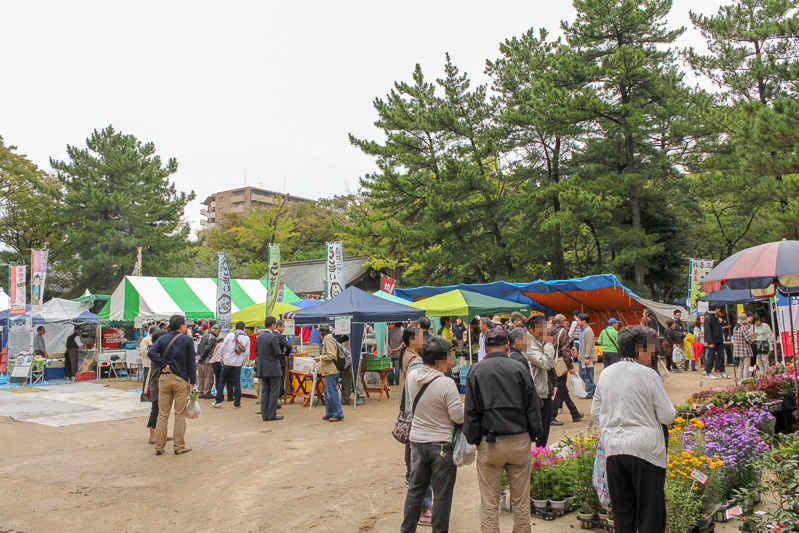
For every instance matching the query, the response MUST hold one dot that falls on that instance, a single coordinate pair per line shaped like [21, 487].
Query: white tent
[3, 300]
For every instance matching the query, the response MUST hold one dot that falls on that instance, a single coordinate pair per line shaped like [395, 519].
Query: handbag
[402, 427]
[150, 389]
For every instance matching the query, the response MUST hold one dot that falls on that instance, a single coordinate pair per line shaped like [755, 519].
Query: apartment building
[221, 203]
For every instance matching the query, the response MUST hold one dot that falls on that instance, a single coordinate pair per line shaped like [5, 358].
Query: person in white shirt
[235, 350]
[485, 326]
[633, 409]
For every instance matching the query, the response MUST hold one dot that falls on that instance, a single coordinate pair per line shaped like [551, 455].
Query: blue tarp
[86, 316]
[587, 283]
[497, 289]
[363, 308]
[727, 296]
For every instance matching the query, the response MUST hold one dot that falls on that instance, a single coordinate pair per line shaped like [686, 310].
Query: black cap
[496, 337]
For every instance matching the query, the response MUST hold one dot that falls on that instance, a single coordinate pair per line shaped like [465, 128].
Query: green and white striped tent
[155, 298]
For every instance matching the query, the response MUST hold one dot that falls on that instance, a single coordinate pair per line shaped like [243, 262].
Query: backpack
[343, 357]
[239, 346]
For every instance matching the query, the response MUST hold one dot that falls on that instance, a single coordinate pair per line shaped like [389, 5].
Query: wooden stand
[383, 386]
[301, 383]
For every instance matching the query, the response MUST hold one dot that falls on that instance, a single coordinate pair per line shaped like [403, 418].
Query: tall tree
[626, 53]
[118, 196]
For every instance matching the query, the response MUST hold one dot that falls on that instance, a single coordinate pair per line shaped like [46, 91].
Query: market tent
[3, 300]
[305, 304]
[363, 308]
[288, 295]
[466, 304]
[728, 296]
[497, 289]
[254, 315]
[153, 298]
[96, 301]
[392, 298]
[58, 315]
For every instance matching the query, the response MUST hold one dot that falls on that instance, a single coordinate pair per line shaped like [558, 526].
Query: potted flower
[558, 484]
[540, 477]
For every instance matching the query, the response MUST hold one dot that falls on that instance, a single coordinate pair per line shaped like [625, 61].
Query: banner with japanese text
[699, 269]
[273, 278]
[224, 303]
[334, 270]
[387, 284]
[16, 290]
[38, 276]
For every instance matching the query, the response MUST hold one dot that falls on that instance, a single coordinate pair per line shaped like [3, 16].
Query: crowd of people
[513, 395]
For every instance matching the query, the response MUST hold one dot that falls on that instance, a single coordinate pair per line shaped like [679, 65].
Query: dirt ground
[299, 474]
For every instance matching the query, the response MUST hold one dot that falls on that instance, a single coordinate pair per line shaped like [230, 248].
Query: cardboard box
[303, 364]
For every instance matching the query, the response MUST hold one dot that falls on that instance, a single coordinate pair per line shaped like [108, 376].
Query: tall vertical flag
[699, 269]
[38, 276]
[16, 290]
[137, 269]
[223, 300]
[273, 278]
[788, 338]
[334, 270]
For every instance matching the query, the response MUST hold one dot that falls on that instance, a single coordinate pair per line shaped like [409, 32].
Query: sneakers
[724, 375]
[216, 404]
[711, 376]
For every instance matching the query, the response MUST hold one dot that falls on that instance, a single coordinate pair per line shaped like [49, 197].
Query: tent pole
[793, 346]
[469, 340]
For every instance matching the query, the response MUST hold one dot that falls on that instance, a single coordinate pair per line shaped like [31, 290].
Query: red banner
[387, 284]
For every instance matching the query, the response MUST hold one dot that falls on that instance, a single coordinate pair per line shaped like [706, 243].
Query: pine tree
[118, 196]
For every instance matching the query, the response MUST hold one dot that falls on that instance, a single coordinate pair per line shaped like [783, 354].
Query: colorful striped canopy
[758, 267]
[155, 298]
[254, 315]
[466, 304]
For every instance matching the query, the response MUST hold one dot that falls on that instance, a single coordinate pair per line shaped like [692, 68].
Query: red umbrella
[761, 267]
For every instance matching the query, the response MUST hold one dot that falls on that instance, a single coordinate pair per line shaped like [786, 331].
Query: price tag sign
[342, 325]
[734, 512]
[700, 476]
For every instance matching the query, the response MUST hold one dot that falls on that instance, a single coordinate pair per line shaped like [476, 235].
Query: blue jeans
[332, 400]
[587, 373]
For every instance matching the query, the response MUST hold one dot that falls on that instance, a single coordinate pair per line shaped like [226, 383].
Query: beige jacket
[328, 353]
[144, 345]
[588, 348]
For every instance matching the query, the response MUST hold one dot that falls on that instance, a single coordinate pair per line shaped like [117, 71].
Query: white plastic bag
[578, 387]
[463, 453]
[193, 408]
[678, 355]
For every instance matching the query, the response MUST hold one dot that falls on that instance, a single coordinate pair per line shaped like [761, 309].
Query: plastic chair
[37, 371]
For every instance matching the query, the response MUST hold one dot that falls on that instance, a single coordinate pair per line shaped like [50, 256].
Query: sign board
[702, 307]
[700, 476]
[224, 303]
[698, 270]
[288, 323]
[343, 325]
[784, 321]
[22, 368]
[387, 284]
[334, 270]
[16, 290]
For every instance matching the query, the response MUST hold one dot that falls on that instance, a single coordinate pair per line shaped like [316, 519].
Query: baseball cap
[613, 321]
[496, 337]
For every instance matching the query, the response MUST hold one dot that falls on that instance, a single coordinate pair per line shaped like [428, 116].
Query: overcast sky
[265, 89]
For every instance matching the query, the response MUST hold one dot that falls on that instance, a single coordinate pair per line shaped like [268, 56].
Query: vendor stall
[361, 308]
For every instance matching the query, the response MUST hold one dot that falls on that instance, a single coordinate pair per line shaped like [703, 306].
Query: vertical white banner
[16, 290]
[224, 303]
[273, 278]
[698, 270]
[38, 276]
[784, 311]
[334, 270]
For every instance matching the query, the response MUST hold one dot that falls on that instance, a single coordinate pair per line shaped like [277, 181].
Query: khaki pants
[743, 368]
[205, 379]
[171, 389]
[510, 453]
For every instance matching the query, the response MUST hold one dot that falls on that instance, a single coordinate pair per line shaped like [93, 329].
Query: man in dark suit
[267, 369]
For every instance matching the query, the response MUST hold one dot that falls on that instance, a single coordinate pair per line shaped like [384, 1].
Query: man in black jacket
[714, 342]
[503, 417]
[205, 371]
[174, 354]
[267, 369]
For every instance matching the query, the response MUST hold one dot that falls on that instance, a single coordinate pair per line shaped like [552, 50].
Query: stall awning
[467, 304]
[155, 298]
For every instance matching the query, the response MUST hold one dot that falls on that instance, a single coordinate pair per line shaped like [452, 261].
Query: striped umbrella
[760, 269]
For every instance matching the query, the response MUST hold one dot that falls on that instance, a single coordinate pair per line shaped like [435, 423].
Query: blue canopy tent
[497, 289]
[363, 308]
[728, 296]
